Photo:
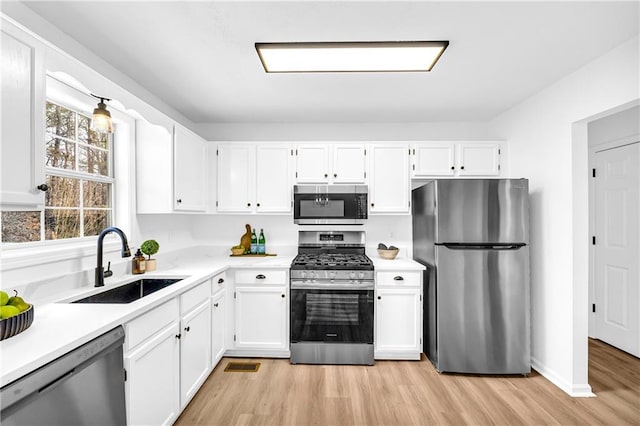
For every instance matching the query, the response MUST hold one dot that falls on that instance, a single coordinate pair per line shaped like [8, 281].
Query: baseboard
[574, 390]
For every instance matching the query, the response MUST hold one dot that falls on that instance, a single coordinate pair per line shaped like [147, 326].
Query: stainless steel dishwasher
[83, 387]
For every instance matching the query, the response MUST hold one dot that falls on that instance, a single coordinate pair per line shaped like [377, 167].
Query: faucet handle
[108, 272]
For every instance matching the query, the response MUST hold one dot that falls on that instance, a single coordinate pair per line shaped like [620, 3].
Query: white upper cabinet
[171, 170]
[22, 96]
[190, 170]
[254, 178]
[312, 164]
[236, 177]
[348, 164]
[479, 159]
[432, 159]
[389, 187]
[331, 163]
[273, 178]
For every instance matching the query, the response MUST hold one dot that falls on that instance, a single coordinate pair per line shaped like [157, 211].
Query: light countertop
[60, 327]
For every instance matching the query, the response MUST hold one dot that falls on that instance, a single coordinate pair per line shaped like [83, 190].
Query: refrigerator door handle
[459, 246]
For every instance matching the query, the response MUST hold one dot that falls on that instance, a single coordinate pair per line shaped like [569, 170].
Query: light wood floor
[412, 392]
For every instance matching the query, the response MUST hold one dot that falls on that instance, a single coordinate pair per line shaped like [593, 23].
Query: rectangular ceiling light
[360, 56]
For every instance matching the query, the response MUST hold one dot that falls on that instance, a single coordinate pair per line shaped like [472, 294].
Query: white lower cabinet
[218, 318]
[152, 379]
[260, 313]
[195, 350]
[398, 315]
[167, 357]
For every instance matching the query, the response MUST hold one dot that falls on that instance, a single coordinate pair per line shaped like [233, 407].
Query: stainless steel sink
[130, 292]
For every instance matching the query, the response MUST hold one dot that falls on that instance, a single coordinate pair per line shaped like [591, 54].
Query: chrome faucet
[100, 274]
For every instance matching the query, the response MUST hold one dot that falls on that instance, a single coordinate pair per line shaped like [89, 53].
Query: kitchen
[541, 128]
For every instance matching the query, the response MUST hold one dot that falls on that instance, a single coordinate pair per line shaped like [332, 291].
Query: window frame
[67, 92]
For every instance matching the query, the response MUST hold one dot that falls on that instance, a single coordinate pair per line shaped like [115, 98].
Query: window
[78, 171]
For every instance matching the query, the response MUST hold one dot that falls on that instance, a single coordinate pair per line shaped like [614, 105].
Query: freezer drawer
[483, 323]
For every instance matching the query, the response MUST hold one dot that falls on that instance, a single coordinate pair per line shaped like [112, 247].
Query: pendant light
[101, 120]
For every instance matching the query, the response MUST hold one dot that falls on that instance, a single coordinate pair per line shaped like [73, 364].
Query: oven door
[331, 315]
[329, 204]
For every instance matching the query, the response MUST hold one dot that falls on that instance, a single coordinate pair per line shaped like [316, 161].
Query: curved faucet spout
[125, 251]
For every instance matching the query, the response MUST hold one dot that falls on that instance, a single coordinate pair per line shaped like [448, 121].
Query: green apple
[18, 302]
[4, 298]
[8, 311]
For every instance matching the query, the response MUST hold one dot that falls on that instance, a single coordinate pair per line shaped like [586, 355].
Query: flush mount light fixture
[101, 120]
[359, 56]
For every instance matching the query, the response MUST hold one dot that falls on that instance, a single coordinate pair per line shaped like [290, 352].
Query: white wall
[547, 137]
[370, 132]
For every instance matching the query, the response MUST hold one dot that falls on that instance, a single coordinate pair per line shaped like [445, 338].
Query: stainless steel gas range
[332, 286]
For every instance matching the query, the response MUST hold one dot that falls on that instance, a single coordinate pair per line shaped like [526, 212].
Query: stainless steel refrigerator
[473, 236]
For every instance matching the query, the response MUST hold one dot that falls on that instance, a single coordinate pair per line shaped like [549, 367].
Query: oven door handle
[331, 286]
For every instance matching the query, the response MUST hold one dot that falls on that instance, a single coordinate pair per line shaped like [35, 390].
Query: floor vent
[242, 367]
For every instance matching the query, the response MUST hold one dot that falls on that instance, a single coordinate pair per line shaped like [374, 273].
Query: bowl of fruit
[16, 315]
[388, 253]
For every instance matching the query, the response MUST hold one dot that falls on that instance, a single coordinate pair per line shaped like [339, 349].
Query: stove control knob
[332, 274]
[352, 275]
[361, 275]
[303, 274]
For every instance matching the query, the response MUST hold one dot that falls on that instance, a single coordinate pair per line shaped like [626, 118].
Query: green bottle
[254, 242]
[261, 243]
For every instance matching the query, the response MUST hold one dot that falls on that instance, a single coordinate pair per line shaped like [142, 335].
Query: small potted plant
[150, 247]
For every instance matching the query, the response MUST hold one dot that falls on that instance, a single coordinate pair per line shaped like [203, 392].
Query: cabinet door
[195, 350]
[434, 159]
[312, 164]
[153, 385]
[261, 317]
[273, 178]
[22, 130]
[236, 178]
[389, 178]
[398, 320]
[154, 173]
[348, 164]
[190, 176]
[479, 159]
[218, 323]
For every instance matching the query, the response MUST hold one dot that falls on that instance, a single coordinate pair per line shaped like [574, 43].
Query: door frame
[628, 140]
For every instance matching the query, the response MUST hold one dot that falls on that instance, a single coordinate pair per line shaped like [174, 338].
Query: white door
[617, 219]
[434, 159]
[217, 327]
[195, 351]
[236, 178]
[389, 186]
[190, 176]
[348, 164]
[273, 178]
[477, 159]
[312, 164]
[398, 320]
[261, 317]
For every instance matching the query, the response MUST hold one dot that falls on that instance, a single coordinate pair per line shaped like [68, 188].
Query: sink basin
[130, 292]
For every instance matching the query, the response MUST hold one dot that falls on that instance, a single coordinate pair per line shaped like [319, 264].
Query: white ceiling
[199, 56]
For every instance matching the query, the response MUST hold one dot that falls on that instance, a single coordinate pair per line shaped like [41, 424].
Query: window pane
[61, 224]
[96, 194]
[60, 154]
[90, 137]
[60, 121]
[63, 192]
[93, 161]
[20, 227]
[95, 221]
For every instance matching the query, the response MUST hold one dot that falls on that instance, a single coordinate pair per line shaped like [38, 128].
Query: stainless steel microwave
[330, 204]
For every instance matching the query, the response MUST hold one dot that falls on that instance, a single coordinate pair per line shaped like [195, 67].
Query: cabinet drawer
[218, 282]
[256, 276]
[398, 278]
[190, 299]
[149, 323]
